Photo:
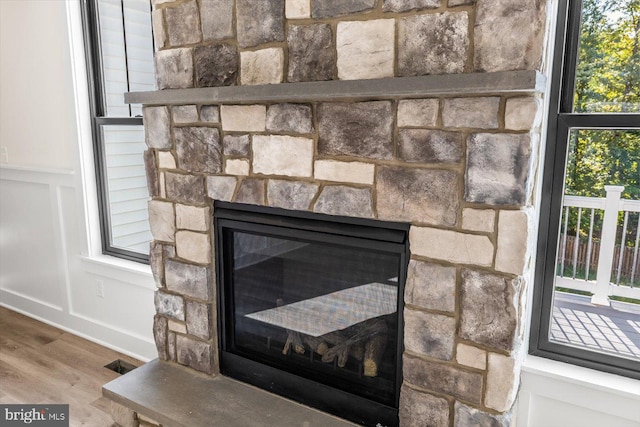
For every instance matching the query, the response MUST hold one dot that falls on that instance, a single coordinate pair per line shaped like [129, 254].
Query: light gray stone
[216, 65]
[405, 5]
[174, 68]
[199, 319]
[193, 246]
[297, 9]
[290, 194]
[221, 187]
[195, 354]
[243, 118]
[156, 262]
[497, 168]
[120, 414]
[151, 172]
[251, 191]
[187, 189]
[169, 305]
[259, 22]
[238, 167]
[451, 246]
[192, 217]
[469, 355]
[198, 149]
[236, 145]
[417, 112]
[295, 118]
[427, 196]
[166, 160]
[160, 336]
[478, 220]
[352, 172]
[162, 220]
[282, 155]
[429, 334]
[157, 127]
[431, 286]
[365, 49]
[159, 32]
[210, 114]
[261, 67]
[184, 114]
[312, 55]
[183, 23]
[466, 416]
[188, 280]
[429, 146]
[347, 201]
[503, 378]
[362, 129]
[489, 309]
[509, 35]
[217, 19]
[331, 8]
[453, 3]
[171, 349]
[418, 409]
[479, 113]
[433, 43]
[523, 113]
[513, 238]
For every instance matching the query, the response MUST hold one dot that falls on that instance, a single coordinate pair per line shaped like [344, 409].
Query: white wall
[50, 266]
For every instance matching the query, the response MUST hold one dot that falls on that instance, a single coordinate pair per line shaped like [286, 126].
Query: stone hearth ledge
[177, 396]
[398, 87]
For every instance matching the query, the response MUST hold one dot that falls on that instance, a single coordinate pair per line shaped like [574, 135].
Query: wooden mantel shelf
[338, 90]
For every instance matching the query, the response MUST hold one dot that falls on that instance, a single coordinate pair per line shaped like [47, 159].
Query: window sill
[127, 271]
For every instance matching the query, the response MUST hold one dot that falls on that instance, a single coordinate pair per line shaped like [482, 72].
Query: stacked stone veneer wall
[459, 168]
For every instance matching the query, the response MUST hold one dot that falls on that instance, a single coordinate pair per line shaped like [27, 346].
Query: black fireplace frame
[375, 233]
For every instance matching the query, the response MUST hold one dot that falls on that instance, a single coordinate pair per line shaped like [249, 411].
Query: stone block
[282, 155]
[451, 246]
[513, 238]
[433, 43]
[221, 187]
[192, 217]
[151, 172]
[156, 262]
[166, 160]
[467, 416]
[216, 17]
[174, 68]
[193, 246]
[523, 113]
[429, 334]
[479, 113]
[157, 127]
[236, 145]
[259, 22]
[243, 118]
[406, 5]
[261, 67]
[183, 23]
[179, 327]
[159, 32]
[489, 309]
[195, 354]
[478, 220]
[443, 378]
[184, 114]
[120, 414]
[453, 3]
[162, 220]
[365, 49]
[238, 167]
[171, 346]
[469, 355]
[290, 194]
[431, 286]
[418, 112]
[418, 409]
[169, 305]
[331, 8]
[343, 200]
[429, 146]
[503, 378]
[497, 168]
[297, 9]
[509, 35]
[353, 172]
[216, 65]
[312, 54]
[210, 114]
[188, 280]
[294, 118]
[160, 336]
[427, 196]
[163, 190]
[199, 319]
[251, 191]
[198, 149]
[362, 129]
[187, 189]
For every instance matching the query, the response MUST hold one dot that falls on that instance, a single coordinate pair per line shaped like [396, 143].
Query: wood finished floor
[43, 364]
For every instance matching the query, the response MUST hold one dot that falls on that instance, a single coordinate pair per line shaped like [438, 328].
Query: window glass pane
[608, 70]
[127, 191]
[597, 287]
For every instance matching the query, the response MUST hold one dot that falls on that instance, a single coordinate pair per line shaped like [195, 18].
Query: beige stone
[365, 49]
[166, 160]
[503, 376]
[282, 155]
[192, 217]
[260, 67]
[184, 114]
[162, 220]
[417, 112]
[478, 113]
[469, 355]
[163, 191]
[239, 167]
[121, 415]
[513, 233]
[297, 9]
[355, 172]
[451, 246]
[244, 118]
[176, 326]
[159, 33]
[522, 113]
[478, 220]
[193, 246]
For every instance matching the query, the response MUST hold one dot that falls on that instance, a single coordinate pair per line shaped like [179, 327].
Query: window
[119, 47]
[587, 296]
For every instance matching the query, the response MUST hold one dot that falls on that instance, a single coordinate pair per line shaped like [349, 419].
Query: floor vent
[120, 366]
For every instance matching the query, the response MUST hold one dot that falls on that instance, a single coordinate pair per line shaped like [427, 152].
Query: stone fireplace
[422, 112]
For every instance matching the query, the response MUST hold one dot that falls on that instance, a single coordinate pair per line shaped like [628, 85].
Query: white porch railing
[614, 254]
